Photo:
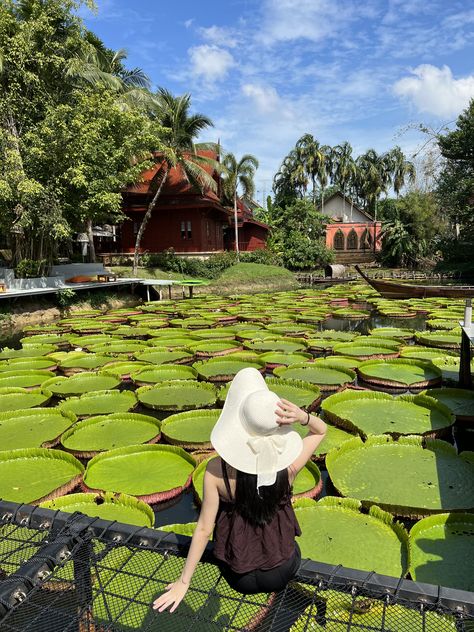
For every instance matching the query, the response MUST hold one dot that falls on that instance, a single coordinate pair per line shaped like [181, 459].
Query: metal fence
[66, 572]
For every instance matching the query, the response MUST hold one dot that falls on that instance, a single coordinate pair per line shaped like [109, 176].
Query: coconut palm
[375, 177]
[311, 158]
[178, 150]
[344, 168]
[238, 174]
[402, 168]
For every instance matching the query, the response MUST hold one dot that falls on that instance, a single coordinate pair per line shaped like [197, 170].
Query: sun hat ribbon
[267, 449]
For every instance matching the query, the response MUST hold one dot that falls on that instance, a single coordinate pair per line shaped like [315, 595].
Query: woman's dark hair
[259, 506]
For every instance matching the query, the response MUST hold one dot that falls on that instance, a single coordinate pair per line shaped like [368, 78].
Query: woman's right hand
[289, 413]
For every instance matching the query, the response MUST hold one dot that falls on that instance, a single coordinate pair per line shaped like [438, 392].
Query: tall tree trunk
[90, 236]
[236, 228]
[322, 200]
[149, 211]
[13, 165]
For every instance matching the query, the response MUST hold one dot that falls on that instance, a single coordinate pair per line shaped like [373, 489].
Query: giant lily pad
[33, 428]
[17, 398]
[124, 368]
[308, 482]
[224, 369]
[442, 550]
[100, 403]
[400, 373]
[382, 543]
[327, 376]
[163, 356]
[30, 351]
[449, 367]
[120, 347]
[284, 345]
[367, 413]
[107, 506]
[425, 353]
[336, 611]
[177, 395]
[31, 475]
[460, 401]
[190, 429]
[392, 332]
[160, 373]
[107, 432]
[168, 472]
[211, 348]
[366, 350]
[448, 340]
[333, 439]
[403, 476]
[301, 393]
[274, 359]
[81, 383]
[42, 363]
[24, 378]
[79, 361]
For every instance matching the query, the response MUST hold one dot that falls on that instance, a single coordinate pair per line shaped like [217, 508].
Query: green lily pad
[116, 347]
[100, 403]
[399, 373]
[460, 401]
[342, 612]
[30, 351]
[403, 476]
[365, 351]
[190, 429]
[186, 528]
[333, 439]
[346, 362]
[439, 339]
[392, 332]
[177, 395]
[298, 392]
[367, 413]
[382, 543]
[210, 348]
[81, 383]
[17, 398]
[33, 428]
[273, 359]
[42, 363]
[168, 471]
[107, 506]
[124, 368]
[224, 369]
[325, 375]
[442, 550]
[34, 474]
[358, 314]
[24, 378]
[449, 367]
[284, 345]
[163, 356]
[107, 432]
[425, 353]
[164, 372]
[78, 361]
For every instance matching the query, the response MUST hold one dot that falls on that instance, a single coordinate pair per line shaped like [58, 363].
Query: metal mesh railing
[66, 572]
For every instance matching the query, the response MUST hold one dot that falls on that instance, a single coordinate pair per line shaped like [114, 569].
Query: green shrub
[30, 269]
[263, 255]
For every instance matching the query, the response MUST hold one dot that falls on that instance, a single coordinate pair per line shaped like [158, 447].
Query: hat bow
[266, 449]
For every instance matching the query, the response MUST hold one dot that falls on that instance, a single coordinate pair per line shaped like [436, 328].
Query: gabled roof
[349, 201]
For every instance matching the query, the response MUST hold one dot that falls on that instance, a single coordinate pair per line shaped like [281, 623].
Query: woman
[247, 491]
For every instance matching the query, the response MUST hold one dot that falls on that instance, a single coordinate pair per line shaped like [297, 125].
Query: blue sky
[267, 71]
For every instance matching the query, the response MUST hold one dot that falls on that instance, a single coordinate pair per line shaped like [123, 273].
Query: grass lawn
[240, 278]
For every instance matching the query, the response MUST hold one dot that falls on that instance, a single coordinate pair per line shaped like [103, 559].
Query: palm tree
[311, 158]
[324, 170]
[402, 169]
[178, 151]
[238, 174]
[344, 168]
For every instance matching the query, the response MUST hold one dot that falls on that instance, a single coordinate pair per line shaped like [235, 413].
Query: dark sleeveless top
[246, 547]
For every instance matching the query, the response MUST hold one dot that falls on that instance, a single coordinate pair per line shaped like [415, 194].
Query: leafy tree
[413, 227]
[298, 235]
[375, 177]
[238, 174]
[87, 151]
[344, 168]
[456, 187]
[178, 150]
[402, 169]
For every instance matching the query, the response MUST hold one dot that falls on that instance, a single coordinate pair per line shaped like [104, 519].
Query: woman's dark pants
[258, 581]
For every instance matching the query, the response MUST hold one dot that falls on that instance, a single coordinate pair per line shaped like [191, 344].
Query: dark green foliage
[456, 189]
[413, 227]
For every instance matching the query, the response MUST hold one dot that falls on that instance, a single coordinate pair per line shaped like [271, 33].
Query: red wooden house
[185, 219]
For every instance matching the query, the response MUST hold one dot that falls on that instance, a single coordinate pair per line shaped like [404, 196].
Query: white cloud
[435, 91]
[287, 20]
[219, 35]
[211, 63]
[189, 23]
[264, 97]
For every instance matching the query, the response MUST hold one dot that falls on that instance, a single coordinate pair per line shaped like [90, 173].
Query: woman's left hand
[173, 596]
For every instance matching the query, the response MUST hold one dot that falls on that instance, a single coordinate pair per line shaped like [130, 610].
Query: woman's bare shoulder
[214, 467]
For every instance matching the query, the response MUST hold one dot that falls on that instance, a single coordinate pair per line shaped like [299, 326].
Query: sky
[268, 71]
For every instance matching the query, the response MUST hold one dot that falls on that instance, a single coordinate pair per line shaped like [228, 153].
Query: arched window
[365, 240]
[339, 241]
[352, 241]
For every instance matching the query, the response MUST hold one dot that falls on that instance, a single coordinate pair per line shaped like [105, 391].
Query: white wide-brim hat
[247, 435]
